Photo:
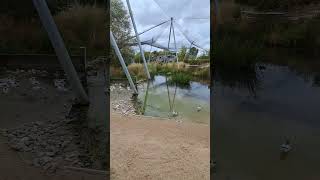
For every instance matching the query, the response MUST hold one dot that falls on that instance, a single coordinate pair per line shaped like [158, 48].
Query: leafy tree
[120, 27]
[193, 52]
[182, 53]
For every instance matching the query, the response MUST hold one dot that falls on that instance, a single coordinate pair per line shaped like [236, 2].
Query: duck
[174, 113]
[285, 147]
[199, 108]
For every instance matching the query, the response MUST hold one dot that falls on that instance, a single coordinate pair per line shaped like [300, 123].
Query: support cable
[148, 29]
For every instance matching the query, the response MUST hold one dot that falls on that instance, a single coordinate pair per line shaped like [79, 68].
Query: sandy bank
[151, 148]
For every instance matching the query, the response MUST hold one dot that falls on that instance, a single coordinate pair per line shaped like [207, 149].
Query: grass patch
[179, 73]
[181, 79]
[79, 25]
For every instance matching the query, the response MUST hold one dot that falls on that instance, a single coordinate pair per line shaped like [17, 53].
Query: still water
[192, 103]
[249, 127]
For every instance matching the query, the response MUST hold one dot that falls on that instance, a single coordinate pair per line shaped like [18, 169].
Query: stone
[36, 162]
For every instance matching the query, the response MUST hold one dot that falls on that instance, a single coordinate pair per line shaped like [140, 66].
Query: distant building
[165, 58]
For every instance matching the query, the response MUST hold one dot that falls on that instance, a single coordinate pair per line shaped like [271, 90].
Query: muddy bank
[38, 121]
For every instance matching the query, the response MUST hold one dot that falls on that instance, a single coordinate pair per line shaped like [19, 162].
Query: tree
[193, 52]
[120, 27]
[182, 53]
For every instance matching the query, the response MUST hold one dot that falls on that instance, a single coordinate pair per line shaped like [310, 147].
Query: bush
[198, 62]
[78, 25]
[181, 79]
[84, 26]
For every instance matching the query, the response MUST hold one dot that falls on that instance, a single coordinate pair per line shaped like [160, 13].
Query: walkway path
[144, 148]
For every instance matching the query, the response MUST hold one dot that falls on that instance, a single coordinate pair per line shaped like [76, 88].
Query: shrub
[180, 78]
[84, 26]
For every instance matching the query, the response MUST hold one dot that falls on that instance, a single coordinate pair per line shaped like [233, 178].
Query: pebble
[45, 142]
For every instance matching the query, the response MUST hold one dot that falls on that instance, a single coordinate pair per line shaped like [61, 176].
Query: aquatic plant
[181, 79]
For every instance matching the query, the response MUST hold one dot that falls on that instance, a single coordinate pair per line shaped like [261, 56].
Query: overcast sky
[186, 13]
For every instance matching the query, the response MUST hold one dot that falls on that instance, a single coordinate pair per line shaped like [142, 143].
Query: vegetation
[241, 46]
[79, 25]
[182, 79]
[120, 27]
[239, 38]
[276, 4]
[179, 73]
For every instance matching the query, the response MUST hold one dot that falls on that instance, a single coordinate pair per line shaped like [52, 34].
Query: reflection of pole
[145, 99]
[85, 58]
[168, 94]
[60, 49]
[138, 39]
[174, 97]
[123, 64]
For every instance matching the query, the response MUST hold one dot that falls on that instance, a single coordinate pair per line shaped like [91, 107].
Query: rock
[37, 88]
[50, 154]
[5, 90]
[44, 160]
[26, 141]
[4, 132]
[36, 162]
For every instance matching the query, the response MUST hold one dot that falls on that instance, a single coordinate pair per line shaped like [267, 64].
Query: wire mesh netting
[190, 23]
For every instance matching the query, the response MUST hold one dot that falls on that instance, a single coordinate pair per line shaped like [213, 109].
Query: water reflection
[249, 132]
[246, 77]
[169, 100]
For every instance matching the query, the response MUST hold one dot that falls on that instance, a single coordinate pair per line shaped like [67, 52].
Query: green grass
[179, 78]
[178, 73]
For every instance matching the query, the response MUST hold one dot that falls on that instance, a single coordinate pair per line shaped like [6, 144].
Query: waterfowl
[285, 147]
[174, 114]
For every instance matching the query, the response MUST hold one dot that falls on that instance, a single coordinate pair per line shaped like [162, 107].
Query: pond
[250, 124]
[191, 104]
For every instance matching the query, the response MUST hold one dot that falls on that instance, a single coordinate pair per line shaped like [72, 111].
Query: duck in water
[199, 108]
[174, 113]
[285, 148]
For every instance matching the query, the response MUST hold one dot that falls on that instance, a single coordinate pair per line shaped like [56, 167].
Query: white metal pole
[150, 50]
[60, 49]
[123, 64]
[138, 39]
[169, 35]
[175, 43]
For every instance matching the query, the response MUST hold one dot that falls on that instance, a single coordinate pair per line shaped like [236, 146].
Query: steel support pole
[123, 64]
[170, 35]
[150, 51]
[138, 39]
[148, 29]
[175, 43]
[60, 49]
